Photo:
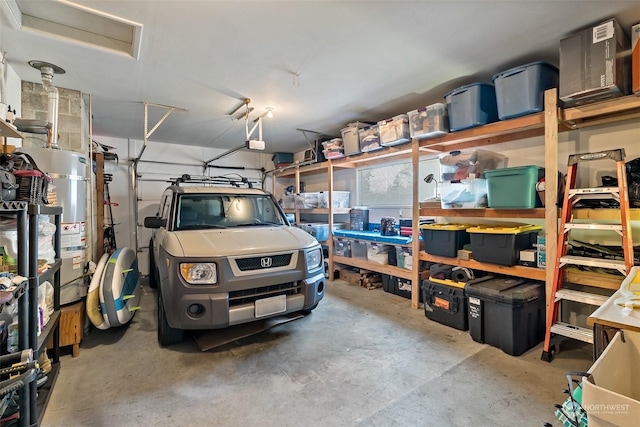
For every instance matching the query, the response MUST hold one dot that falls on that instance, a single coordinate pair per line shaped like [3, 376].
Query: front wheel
[166, 334]
[153, 270]
[309, 310]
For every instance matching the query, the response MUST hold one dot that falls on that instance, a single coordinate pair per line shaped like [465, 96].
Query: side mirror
[154, 222]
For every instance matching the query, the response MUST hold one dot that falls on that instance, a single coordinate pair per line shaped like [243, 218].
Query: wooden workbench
[607, 320]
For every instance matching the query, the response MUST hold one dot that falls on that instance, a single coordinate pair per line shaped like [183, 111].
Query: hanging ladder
[571, 196]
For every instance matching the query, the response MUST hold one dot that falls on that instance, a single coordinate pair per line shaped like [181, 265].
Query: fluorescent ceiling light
[61, 19]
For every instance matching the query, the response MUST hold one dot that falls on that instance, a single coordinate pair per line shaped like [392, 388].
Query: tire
[153, 271]
[309, 310]
[166, 334]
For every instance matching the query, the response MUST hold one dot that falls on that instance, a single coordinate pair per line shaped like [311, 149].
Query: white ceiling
[319, 64]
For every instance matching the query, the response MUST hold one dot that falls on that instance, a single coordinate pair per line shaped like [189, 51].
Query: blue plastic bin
[520, 90]
[471, 106]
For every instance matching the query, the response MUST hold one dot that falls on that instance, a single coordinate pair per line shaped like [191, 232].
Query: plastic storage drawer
[369, 138]
[359, 249]
[340, 199]
[378, 253]
[342, 247]
[445, 302]
[514, 187]
[394, 131]
[351, 138]
[444, 239]
[429, 122]
[507, 313]
[520, 90]
[471, 105]
[333, 149]
[501, 245]
[464, 194]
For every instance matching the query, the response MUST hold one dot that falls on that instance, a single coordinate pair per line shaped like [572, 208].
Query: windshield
[200, 211]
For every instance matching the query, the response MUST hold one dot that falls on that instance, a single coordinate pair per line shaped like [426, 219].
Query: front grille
[261, 263]
[247, 296]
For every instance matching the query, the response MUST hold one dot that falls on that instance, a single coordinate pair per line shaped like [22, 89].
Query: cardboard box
[635, 58]
[612, 395]
[593, 64]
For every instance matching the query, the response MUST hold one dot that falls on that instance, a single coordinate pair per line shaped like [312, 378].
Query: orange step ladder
[572, 195]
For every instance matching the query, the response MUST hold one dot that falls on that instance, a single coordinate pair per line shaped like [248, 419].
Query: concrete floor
[363, 358]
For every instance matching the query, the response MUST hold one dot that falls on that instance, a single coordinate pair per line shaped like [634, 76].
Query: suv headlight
[314, 259]
[200, 273]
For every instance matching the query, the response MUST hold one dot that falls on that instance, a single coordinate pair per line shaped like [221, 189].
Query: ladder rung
[594, 262]
[582, 297]
[595, 191]
[609, 227]
[572, 331]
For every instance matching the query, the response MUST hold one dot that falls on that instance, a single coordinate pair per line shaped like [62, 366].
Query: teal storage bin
[471, 105]
[514, 188]
[520, 90]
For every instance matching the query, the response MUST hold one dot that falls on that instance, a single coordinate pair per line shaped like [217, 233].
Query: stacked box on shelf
[520, 90]
[333, 149]
[464, 164]
[351, 138]
[378, 253]
[319, 230]
[359, 249]
[464, 194]
[594, 64]
[394, 131]
[404, 257]
[501, 244]
[507, 313]
[307, 200]
[444, 239]
[514, 187]
[340, 199]
[429, 122]
[369, 138]
[471, 106]
[282, 159]
[342, 247]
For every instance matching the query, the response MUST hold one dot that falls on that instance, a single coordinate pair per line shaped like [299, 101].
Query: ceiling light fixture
[270, 112]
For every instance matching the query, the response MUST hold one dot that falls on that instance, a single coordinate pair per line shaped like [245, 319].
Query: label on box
[602, 32]
[441, 303]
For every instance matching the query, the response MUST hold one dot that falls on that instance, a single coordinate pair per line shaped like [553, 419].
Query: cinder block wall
[35, 104]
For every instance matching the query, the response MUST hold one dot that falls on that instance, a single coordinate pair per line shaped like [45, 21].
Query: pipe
[52, 112]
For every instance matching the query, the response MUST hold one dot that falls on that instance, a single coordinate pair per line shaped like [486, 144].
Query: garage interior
[146, 92]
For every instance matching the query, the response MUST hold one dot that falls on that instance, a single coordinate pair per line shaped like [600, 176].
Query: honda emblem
[265, 262]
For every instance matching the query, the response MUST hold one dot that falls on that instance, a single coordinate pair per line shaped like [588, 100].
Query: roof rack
[239, 181]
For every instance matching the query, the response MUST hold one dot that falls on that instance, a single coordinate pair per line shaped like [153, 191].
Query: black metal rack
[32, 403]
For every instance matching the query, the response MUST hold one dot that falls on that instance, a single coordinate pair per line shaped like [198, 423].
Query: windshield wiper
[200, 226]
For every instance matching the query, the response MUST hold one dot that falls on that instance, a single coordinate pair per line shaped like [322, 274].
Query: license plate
[270, 306]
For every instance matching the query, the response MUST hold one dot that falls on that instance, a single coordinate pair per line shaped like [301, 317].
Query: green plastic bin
[514, 188]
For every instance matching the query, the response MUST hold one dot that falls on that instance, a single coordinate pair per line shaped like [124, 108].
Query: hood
[242, 241]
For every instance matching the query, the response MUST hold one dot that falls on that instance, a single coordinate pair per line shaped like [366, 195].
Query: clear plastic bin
[463, 164]
[340, 199]
[394, 131]
[464, 194]
[429, 122]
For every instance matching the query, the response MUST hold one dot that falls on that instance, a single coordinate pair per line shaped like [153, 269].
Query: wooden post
[551, 186]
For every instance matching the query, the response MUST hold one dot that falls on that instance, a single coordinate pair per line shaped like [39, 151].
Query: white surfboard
[120, 289]
[94, 313]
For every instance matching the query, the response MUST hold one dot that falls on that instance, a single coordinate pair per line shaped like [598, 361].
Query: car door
[164, 213]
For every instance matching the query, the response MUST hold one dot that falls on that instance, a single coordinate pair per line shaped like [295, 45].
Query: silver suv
[223, 253]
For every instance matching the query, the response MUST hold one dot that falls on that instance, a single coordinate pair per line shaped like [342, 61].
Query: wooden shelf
[489, 134]
[603, 214]
[516, 270]
[384, 269]
[290, 171]
[484, 213]
[8, 131]
[383, 155]
[609, 111]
